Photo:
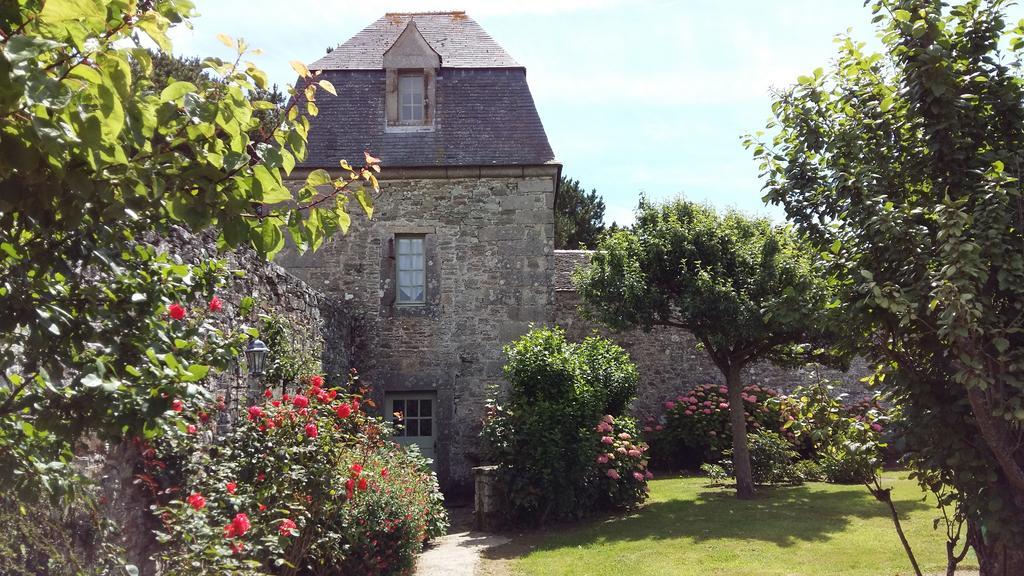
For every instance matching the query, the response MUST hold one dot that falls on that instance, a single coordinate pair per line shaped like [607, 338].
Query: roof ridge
[431, 13]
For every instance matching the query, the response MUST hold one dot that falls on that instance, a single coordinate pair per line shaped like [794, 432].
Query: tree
[748, 290]
[95, 160]
[904, 168]
[579, 216]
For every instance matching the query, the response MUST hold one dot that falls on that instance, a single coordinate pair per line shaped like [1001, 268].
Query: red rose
[275, 403]
[286, 527]
[316, 380]
[332, 394]
[355, 405]
[262, 507]
[260, 477]
[177, 406]
[255, 412]
[384, 473]
[300, 401]
[238, 547]
[176, 312]
[362, 483]
[356, 469]
[238, 526]
[196, 501]
[350, 486]
[284, 397]
[343, 411]
[204, 417]
[191, 428]
[311, 430]
[216, 305]
[231, 486]
[267, 393]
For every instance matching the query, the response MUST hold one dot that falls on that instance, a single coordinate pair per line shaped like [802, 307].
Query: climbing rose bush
[694, 427]
[308, 483]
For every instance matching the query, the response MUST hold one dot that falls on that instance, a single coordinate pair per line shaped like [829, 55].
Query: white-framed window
[410, 267]
[410, 98]
[414, 415]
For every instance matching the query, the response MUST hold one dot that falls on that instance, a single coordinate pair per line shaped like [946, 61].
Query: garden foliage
[564, 446]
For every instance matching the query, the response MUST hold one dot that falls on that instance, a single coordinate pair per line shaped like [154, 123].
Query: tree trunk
[998, 557]
[740, 451]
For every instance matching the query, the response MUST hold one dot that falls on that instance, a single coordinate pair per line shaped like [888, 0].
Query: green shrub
[715, 473]
[771, 459]
[307, 484]
[563, 447]
[695, 427]
[808, 471]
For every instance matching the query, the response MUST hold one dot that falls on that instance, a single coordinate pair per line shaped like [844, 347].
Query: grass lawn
[688, 528]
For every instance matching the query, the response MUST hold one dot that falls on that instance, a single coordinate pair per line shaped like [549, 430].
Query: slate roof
[484, 116]
[566, 262]
[460, 41]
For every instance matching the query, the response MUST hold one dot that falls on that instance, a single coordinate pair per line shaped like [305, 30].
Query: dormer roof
[411, 50]
[457, 39]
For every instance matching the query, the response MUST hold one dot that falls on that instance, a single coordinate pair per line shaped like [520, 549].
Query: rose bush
[308, 483]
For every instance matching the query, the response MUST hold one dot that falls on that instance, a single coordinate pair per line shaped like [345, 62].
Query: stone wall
[489, 267]
[669, 360]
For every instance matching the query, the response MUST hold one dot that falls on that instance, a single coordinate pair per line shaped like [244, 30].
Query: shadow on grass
[781, 515]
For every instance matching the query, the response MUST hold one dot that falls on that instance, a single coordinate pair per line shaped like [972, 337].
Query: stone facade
[489, 249]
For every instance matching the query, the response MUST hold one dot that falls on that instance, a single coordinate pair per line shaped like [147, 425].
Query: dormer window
[411, 103]
[411, 66]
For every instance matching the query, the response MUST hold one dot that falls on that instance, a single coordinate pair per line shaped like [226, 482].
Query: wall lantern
[255, 356]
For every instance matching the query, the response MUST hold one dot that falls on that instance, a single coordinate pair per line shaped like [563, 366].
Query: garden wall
[669, 360]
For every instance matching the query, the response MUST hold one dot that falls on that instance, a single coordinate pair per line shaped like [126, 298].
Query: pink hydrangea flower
[648, 429]
[624, 436]
[602, 459]
[659, 427]
[621, 449]
[648, 475]
[670, 405]
[638, 476]
[723, 390]
[707, 403]
[688, 413]
[724, 405]
[753, 398]
[612, 473]
[876, 427]
[604, 427]
[634, 453]
[609, 419]
[607, 440]
[706, 410]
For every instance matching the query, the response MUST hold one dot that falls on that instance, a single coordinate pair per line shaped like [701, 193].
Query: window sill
[409, 128]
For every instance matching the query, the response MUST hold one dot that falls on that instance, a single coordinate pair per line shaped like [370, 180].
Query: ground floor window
[414, 416]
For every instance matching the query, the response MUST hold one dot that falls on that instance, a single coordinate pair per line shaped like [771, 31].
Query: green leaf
[328, 87]
[177, 90]
[886, 104]
[300, 68]
[155, 26]
[92, 381]
[901, 15]
[268, 189]
[365, 201]
[318, 177]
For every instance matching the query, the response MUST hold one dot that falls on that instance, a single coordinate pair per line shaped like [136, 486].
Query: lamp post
[255, 356]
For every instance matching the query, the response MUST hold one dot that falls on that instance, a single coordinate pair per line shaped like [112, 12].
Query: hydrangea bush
[308, 483]
[694, 428]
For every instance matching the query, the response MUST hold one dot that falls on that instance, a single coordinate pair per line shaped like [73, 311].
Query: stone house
[459, 258]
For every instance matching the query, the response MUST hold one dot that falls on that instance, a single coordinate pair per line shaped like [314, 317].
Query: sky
[636, 97]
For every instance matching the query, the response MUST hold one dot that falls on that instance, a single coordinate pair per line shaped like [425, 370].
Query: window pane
[417, 294]
[413, 409]
[410, 263]
[425, 407]
[425, 425]
[398, 406]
